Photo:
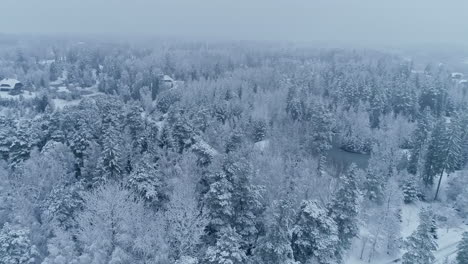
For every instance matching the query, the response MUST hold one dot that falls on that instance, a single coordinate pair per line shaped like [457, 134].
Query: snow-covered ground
[25, 95]
[449, 233]
[60, 103]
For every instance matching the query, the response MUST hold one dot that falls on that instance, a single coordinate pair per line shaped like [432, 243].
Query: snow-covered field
[449, 234]
[60, 103]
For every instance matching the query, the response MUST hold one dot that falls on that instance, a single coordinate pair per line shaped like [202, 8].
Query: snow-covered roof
[167, 78]
[63, 89]
[464, 81]
[457, 74]
[8, 83]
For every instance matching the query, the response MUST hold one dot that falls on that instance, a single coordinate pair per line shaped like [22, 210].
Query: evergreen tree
[227, 249]
[147, 182]
[16, 247]
[420, 245]
[182, 132]
[232, 200]
[322, 129]
[111, 160]
[6, 130]
[218, 201]
[421, 137]
[111, 157]
[411, 192]
[235, 141]
[20, 144]
[444, 152]
[165, 139]
[344, 209]
[315, 235]
[259, 130]
[381, 167]
[246, 199]
[135, 125]
[275, 246]
[462, 254]
[54, 72]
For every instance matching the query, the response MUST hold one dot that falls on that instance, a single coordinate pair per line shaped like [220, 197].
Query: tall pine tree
[315, 235]
[344, 209]
[462, 255]
[275, 246]
[421, 244]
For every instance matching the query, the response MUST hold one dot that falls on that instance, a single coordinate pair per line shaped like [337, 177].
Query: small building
[8, 85]
[457, 75]
[168, 81]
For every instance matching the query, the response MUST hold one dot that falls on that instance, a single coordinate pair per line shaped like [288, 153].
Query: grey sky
[356, 21]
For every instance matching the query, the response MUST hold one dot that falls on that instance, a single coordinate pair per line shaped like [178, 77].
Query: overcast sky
[388, 22]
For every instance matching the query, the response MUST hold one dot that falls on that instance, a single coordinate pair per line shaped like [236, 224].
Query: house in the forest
[457, 75]
[167, 81]
[9, 85]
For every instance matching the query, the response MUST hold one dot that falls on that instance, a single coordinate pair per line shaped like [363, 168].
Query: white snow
[60, 103]
[25, 95]
[262, 145]
[63, 89]
[9, 83]
[46, 62]
[448, 235]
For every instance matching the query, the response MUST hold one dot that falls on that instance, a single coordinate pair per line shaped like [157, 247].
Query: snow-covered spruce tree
[134, 124]
[322, 122]
[420, 138]
[20, 144]
[275, 246]
[315, 235]
[6, 130]
[15, 246]
[344, 209]
[182, 130]
[374, 184]
[421, 244]
[227, 249]
[148, 182]
[235, 141]
[462, 254]
[63, 204]
[232, 200]
[381, 167]
[80, 139]
[218, 201]
[411, 192]
[259, 130]
[428, 214]
[165, 139]
[444, 152]
[246, 199]
[111, 160]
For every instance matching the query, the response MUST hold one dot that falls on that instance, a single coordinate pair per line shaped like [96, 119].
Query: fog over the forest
[331, 21]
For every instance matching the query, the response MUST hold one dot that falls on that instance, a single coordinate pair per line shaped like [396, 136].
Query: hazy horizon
[363, 22]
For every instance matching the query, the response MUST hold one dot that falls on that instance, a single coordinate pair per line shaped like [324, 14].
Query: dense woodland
[242, 161]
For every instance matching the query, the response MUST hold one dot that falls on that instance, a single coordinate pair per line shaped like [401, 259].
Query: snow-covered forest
[185, 152]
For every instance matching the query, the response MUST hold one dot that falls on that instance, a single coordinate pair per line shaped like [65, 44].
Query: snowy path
[448, 247]
[448, 238]
[445, 252]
